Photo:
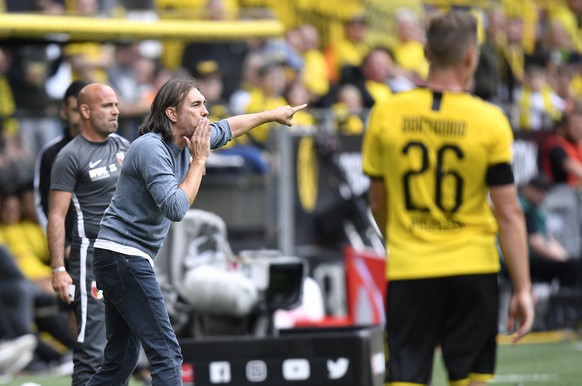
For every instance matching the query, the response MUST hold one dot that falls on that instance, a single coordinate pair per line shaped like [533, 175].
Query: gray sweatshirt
[147, 198]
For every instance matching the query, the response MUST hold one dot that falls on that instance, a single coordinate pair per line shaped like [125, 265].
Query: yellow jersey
[433, 150]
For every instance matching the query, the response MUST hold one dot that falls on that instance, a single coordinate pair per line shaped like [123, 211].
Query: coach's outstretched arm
[241, 124]
[513, 240]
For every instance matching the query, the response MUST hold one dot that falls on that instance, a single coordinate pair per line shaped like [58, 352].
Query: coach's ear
[171, 114]
[85, 111]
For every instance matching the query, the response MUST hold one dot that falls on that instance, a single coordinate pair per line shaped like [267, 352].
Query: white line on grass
[524, 378]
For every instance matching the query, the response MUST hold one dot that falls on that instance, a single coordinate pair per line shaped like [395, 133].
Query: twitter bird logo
[338, 368]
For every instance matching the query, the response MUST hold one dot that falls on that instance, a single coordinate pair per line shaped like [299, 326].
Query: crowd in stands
[536, 79]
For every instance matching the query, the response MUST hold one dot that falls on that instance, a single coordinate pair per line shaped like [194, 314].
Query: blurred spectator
[229, 54]
[150, 75]
[146, 69]
[349, 51]
[26, 242]
[16, 164]
[568, 14]
[211, 85]
[292, 47]
[372, 77]
[89, 60]
[408, 50]
[557, 42]
[9, 127]
[15, 159]
[513, 58]
[297, 94]
[123, 76]
[28, 208]
[349, 111]
[538, 106]
[548, 259]
[251, 82]
[268, 95]
[487, 78]
[160, 76]
[561, 154]
[35, 111]
[315, 72]
[287, 50]
[60, 74]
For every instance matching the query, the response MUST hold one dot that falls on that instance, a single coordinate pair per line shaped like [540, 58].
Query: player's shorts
[459, 314]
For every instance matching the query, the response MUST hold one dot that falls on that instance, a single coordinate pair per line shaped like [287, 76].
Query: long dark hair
[171, 94]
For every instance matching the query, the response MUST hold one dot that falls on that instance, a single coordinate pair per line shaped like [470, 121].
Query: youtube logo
[296, 369]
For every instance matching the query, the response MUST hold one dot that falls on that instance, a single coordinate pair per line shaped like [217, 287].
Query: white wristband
[59, 269]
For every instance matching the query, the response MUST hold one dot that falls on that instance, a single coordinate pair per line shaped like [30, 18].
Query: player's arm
[378, 199]
[513, 240]
[241, 124]
[59, 202]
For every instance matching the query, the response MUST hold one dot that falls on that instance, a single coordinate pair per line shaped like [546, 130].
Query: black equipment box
[346, 356]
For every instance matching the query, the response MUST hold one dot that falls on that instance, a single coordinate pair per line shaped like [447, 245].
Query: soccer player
[433, 155]
[85, 170]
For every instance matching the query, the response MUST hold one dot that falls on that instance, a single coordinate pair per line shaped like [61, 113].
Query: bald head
[98, 106]
[93, 91]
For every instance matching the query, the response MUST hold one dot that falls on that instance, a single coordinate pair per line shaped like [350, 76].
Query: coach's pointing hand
[284, 114]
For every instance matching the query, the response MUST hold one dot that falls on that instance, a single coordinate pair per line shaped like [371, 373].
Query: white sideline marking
[524, 378]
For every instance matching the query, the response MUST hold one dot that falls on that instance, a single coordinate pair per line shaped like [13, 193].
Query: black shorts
[457, 313]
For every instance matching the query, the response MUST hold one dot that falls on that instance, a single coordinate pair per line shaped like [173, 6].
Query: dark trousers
[134, 312]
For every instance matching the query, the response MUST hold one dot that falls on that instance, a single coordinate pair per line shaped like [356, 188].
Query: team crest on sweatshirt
[120, 156]
[96, 292]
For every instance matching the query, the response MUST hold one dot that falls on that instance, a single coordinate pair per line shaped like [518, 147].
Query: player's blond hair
[449, 35]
